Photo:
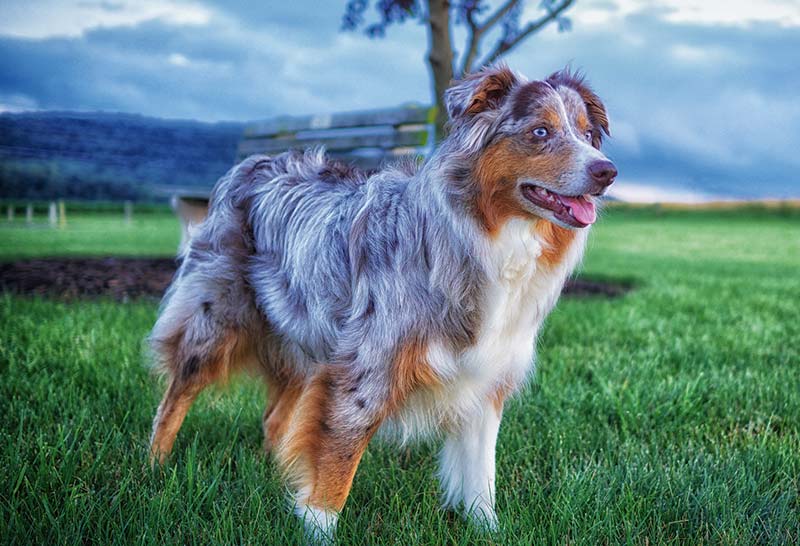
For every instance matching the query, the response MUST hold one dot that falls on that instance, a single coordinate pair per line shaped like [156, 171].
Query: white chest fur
[520, 294]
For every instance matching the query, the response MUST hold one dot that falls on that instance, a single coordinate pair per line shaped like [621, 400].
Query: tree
[502, 27]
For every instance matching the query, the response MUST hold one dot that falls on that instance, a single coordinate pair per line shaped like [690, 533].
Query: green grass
[151, 233]
[671, 415]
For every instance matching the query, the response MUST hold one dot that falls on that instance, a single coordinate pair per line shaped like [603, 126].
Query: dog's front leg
[467, 466]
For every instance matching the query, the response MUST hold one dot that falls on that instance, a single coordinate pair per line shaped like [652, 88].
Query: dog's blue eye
[540, 132]
[588, 135]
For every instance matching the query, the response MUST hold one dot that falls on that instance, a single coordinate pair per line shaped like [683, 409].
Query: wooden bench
[367, 139]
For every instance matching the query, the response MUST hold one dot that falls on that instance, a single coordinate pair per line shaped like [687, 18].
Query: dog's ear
[479, 92]
[595, 108]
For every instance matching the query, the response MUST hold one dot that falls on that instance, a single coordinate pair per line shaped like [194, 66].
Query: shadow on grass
[596, 286]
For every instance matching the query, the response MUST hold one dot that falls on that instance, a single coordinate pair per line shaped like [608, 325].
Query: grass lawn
[152, 233]
[671, 415]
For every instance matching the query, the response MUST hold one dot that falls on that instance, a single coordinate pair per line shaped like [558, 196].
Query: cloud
[691, 54]
[785, 13]
[54, 18]
[221, 70]
[633, 192]
[741, 13]
[178, 59]
[15, 102]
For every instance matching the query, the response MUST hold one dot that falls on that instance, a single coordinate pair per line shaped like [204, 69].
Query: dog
[406, 301]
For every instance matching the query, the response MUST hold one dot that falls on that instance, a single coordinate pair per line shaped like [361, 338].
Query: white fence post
[128, 211]
[53, 214]
[10, 213]
[29, 214]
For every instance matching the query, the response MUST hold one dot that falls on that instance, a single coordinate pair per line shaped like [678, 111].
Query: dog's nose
[602, 171]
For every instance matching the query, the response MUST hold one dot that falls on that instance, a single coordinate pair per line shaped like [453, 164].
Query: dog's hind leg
[323, 445]
[230, 351]
[194, 350]
[177, 400]
[340, 409]
[196, 366]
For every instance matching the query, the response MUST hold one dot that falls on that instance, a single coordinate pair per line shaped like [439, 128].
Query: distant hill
[103, 156]
[75, 155]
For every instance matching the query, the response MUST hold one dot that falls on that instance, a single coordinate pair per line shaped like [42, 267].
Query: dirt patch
[127, 278]
[71, 278]
[584, 288]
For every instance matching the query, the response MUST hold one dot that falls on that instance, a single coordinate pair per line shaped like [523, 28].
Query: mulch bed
[127, 278]
[71, 278]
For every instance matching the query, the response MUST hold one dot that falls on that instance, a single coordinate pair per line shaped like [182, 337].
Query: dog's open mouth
[577, 211]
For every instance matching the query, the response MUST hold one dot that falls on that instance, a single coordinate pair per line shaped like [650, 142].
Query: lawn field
[668, 416]
[153, 233]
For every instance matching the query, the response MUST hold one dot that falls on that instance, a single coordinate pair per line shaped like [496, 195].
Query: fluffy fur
[407, 301]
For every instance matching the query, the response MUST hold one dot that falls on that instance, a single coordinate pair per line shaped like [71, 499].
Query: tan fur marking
[411, 371]
[232, 354]
[556, 241]
[597, 113]
[595, 109]
[298, 452]
[497, 172]
[278, 415]
[329, 476]
[583, 122]
[498, 398]
[552, 117]
[337, 467]
[169, 417]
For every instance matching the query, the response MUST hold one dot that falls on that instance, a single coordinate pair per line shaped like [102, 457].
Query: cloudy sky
[703, 95]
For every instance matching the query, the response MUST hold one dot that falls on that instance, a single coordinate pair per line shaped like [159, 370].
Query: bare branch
[477, 31]
[498, 15]
[472, 47]
[504, 46]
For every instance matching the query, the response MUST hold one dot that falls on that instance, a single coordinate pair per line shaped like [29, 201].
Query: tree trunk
[440, 57]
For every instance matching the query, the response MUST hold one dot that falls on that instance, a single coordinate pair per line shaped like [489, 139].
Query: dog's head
[536, 145]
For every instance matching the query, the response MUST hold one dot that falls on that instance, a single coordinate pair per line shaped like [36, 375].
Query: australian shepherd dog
[406, 301]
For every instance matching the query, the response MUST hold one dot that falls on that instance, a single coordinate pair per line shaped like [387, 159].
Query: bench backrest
[366, 138]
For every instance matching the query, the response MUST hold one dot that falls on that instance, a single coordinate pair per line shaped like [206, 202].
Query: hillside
[76, 155]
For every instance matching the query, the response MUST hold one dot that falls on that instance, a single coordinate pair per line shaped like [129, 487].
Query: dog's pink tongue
[582, 209]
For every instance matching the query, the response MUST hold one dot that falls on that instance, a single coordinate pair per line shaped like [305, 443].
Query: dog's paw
[319, 524]
[483, 516]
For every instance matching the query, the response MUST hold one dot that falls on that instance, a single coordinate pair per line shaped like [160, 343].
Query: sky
[702, 95]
